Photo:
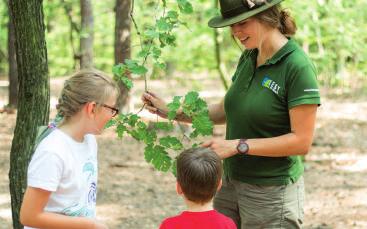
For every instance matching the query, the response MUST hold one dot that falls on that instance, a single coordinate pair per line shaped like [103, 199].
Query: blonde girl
[62, 175]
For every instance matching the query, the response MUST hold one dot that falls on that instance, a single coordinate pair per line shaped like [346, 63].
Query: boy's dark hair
[199, 171]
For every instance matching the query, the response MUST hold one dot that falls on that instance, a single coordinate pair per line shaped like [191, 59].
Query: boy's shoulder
[202, 220]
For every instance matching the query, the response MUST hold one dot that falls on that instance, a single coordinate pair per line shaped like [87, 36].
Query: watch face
[242, 147]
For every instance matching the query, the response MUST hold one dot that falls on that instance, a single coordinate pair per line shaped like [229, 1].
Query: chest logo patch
[270, 84]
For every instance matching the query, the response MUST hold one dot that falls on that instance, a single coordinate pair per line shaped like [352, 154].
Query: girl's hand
[223, 148]
[154, 104]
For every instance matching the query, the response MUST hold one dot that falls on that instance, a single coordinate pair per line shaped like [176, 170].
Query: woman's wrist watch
[242, 147]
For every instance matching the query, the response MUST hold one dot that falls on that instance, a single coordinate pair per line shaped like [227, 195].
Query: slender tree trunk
[34, 93]
[74, 27]
[122, 42]
[218, 54]
[86, 35]
[13, 72]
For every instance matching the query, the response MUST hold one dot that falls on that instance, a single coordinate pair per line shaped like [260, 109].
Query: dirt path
[132, 195]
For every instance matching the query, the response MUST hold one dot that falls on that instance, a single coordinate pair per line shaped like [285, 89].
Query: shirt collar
[289, 47]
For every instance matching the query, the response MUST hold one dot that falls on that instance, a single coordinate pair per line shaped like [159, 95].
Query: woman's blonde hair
[83, 87]
[276, 17]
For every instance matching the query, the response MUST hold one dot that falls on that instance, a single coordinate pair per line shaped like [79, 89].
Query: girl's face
[104, 113]
[249, 32]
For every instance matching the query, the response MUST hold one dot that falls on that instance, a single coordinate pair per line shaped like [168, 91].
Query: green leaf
[172, 15]
[171, 142]
[185, 6]
[160, 65]
[193, 104]
[138, 69]
[174, 167]
[149, 153]
[132, 119]
[162, 25]
[166, 126]
[120, 129]
[164, 3]
[173, 107]
[156, 52]
[141, 125]
[158, 156]
[191, 97]
[136, 134]
[167, 39]
[119, 69]
[144, 52]
[151, 34]
[149, 137]
[202, 124]
[195, 145]
[127, 82]
[110, 123]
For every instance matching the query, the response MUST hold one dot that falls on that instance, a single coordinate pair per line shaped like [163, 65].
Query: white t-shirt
[69, 170]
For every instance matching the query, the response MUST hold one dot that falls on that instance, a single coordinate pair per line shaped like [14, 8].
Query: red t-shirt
[199, 220]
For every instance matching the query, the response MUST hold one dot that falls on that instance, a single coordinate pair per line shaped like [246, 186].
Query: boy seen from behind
[199, 173]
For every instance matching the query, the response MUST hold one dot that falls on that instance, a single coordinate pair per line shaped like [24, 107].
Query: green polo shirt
[257, 106]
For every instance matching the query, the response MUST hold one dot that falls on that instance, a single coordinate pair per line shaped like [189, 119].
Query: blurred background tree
[334, 33]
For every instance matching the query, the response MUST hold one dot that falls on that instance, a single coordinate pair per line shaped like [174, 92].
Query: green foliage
[157, 148]
[3, 36]
[331, 32]
[173, 107]
[153, 39]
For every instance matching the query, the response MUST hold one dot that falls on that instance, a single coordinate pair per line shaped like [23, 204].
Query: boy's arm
[33, 215]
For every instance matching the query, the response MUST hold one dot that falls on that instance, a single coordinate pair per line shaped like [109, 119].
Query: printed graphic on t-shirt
[270, 84]
[85, 208]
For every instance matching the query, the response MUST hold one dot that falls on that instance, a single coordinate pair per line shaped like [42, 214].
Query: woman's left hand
[223, 148]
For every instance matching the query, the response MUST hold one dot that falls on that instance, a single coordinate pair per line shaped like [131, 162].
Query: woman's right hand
[155, 104]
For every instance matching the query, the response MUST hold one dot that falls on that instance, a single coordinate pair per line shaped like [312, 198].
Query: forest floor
[132, 195]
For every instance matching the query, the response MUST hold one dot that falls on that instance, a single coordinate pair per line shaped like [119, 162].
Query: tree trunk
[74, 27]
[122, 42]
[13, 72]
[86, 35]
[34, 93]
[218, 58]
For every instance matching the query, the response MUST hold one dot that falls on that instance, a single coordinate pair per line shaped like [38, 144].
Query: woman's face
[249, 32]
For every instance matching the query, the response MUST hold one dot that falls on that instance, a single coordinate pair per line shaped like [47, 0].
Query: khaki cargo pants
[259, 206]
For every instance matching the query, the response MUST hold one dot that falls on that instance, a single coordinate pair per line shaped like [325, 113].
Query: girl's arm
[33, 215]
[297, 142]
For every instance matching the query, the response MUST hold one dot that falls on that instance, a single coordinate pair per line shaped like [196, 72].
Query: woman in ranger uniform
[270, 111]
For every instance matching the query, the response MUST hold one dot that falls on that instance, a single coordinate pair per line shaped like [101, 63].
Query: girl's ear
[90, 108]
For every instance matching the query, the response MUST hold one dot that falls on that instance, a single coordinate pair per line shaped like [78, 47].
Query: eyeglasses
[114, 111]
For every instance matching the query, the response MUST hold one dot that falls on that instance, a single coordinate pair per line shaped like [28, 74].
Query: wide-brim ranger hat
[234, 11]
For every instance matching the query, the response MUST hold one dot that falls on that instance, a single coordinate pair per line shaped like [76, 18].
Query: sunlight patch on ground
[359, 166]
[345, 110]
[5, 211]
[4, 199]
[4, 83]
[349, 162]
[348, 156]
[5, 214]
